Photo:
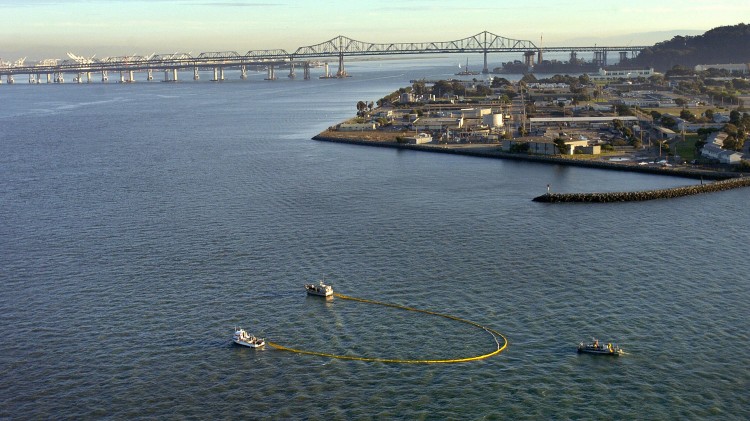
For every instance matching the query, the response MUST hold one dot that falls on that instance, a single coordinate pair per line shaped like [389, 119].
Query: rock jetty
[637, 196]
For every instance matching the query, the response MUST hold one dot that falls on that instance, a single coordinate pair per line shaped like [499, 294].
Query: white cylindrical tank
[493, 120]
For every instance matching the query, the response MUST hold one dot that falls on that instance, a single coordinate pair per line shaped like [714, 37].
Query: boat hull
[319, 294]
[321, 290]
[249, 344]
[595, 352]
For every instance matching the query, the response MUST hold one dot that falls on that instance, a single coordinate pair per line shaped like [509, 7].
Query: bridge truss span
[339, 47]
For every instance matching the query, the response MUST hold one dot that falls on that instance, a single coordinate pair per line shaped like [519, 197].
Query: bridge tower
[341, 72]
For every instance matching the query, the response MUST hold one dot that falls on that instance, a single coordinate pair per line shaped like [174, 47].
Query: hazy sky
[50, 28]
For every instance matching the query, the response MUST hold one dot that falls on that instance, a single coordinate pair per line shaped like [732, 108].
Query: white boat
[321, 289]
[600, 349]
[241, 337]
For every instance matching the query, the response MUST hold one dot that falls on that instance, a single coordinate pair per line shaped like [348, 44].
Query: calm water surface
[140, 223]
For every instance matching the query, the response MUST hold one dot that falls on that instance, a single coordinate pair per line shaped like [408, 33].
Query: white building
[724, 156]
[734, 68]
[356, 127]
[605, 74]
[418, 139]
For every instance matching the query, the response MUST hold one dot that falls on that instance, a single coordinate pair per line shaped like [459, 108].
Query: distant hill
[725, 44]
[635, 38]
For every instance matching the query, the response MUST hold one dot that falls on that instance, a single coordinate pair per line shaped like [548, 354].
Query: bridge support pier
[218, 74]
[243, 72]
[292, 75]
[600, 57]
[174, 75]
[49, 77]
[150, 75]
[271, 73]
[528, 58]
[79, 77]
[59, 77]
[196, 76]
[623, 56]
[122, 76]
[105, 76]
[485, 69]
[11, 80]
[306, 70]
[88, 77]
[573, 57]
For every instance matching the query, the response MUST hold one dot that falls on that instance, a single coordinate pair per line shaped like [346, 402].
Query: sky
[40, 29]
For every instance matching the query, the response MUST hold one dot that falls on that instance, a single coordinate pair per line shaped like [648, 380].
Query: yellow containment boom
[495, 336]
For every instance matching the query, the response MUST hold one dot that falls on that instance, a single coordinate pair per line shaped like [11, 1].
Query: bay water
[141, 223]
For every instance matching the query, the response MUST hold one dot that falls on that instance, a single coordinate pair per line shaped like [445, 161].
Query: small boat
[600, 349]
[321, 289]
[466, 71]
[241, 337]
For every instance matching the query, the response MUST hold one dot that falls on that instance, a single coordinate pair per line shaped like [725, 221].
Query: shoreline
[487, 151]
[722, 180]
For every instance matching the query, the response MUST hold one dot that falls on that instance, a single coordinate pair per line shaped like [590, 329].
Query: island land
[629, 124]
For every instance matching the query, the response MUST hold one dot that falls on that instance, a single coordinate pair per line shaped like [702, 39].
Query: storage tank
[493, 120]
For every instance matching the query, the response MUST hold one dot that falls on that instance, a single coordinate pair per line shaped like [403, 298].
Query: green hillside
[725, 44]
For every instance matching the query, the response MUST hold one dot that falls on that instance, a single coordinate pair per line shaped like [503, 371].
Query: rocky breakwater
[643, 195]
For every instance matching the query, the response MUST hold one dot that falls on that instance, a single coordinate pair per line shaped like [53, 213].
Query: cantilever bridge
[337, 48]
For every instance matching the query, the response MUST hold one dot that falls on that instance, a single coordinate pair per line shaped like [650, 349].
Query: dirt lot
[375, 136]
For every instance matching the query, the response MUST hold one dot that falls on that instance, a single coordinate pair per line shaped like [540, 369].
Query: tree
[419, 87]
[734, 117]
[442, 87]
[499, 81]
[483, 90]
[681, 102]
[361, 106]
[561, 146]
[623, 110]
[685, 114]
[669, 122]
[458, 88]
